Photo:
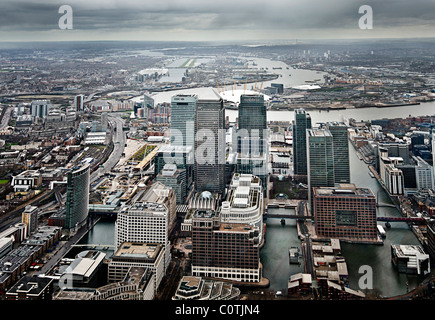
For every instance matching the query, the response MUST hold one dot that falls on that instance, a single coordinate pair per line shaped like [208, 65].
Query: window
[346, 218]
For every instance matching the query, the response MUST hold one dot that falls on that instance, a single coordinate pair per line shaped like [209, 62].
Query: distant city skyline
[196, 20]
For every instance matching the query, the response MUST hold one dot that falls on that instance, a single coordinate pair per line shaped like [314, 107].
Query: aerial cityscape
[300, 169]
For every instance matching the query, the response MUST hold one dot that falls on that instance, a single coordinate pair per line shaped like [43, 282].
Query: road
[6, 117]
[119, 138]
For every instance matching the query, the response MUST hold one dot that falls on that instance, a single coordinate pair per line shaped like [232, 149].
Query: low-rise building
[410, 259]
[134, 254]
[197, 288]
[31, 288]
[83, 271]
[26, 180]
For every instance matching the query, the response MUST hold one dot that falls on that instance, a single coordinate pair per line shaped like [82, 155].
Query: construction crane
[259, 90]
[219, 89]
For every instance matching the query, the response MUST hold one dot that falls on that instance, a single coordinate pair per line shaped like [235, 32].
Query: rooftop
[30, 286]
[138, 250]
[343, 190]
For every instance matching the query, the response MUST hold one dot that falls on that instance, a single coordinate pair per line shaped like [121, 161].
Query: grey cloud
[206, 15]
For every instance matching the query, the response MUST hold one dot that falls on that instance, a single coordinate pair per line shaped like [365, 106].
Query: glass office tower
[252, 137]
[320, 157]
[182, 119]
[77, 196]
[209, 147]
[341, 151]
[301, 123]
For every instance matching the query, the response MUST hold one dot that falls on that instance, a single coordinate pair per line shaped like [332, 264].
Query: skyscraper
[251, 137]
[182, 120]
[210, 144]
[320, 159]
[252, 114]
[341, 151]
[301, 123]
[77, 196]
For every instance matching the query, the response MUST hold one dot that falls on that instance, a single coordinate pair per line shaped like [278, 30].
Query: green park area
[142, 152]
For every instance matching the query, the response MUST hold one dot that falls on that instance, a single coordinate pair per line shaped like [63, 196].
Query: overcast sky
[191, 20]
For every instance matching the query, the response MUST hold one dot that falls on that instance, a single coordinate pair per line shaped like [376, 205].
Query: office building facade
[181, 156]
[149, 219]
[137, 255]
[320, 160]
[251, 137]
[210, 144]
[341, 151]
[183, 109]
[301, 123]
[224, 250]
[176, 179]
[244, 203]
[77, 196]
[345, 212]
[252, 115]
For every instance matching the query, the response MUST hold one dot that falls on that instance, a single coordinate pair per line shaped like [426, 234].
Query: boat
[381, 231]
[371, 174]
[293, 254]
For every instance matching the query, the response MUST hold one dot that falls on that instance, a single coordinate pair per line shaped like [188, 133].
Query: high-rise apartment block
[30, 218]
[78, 102]
[39, 109]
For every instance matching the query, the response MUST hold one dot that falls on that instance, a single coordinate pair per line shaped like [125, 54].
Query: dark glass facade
[77, 197]
[301, 123]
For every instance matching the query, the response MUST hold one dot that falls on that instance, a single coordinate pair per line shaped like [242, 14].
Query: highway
[119, 138]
